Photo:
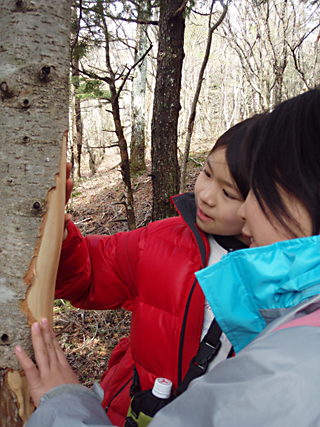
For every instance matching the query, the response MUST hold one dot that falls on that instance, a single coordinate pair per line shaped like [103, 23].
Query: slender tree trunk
[125, 165]
[92, 160]
[277, 89]
[122, 143]
[192, 116]
[165, 168]
[77, 111]
[137, 146]
[73, 142]
[34, 76]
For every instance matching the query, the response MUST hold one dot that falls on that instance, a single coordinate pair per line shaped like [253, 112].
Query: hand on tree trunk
[52, 368]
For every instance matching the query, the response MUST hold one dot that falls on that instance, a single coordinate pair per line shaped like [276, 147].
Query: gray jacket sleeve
[70, 405]
[274, 381]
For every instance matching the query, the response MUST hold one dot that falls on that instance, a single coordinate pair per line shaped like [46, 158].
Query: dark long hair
[286, 157]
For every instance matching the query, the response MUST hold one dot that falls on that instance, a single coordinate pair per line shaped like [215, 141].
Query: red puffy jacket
[151, 272]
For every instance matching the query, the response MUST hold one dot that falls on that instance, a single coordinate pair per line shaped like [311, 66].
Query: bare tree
[138, 141]
[76, 117]
[115, 75]
[306, 60]
[261, 33]
[192, 116]
[77, 121]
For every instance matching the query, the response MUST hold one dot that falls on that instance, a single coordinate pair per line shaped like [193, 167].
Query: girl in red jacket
[150, 271]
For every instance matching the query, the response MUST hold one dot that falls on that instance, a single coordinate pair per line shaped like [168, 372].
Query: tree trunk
[34, 74]
[193, 111]
[137, 145]
[125, 165]
[138, 142]
[77, 110]
[122, 143]
[165, 168]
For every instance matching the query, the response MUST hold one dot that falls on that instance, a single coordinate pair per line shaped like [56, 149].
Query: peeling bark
[34, 77]
[42, 272]
[9, 412]
[18, 384]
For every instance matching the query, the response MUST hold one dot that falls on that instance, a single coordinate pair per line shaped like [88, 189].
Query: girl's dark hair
[232, 140]
[286, 156]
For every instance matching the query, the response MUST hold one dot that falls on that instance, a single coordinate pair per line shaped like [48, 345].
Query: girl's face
[262, 231]
[218, 198]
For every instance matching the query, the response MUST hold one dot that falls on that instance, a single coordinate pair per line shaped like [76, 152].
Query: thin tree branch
[131, 68]
[181, 8]
[134, 20]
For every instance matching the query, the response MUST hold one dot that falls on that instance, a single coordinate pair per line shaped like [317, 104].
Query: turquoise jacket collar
[248, 282]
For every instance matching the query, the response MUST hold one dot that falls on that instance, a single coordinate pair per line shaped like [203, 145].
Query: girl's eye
[228, 195]
[206, 173]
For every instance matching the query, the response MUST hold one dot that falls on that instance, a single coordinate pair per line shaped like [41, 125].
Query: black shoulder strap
[135, 386]
[210, 345]
[208, 349]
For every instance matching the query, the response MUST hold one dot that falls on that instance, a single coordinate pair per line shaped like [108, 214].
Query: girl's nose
[241, 212]
[208, 195]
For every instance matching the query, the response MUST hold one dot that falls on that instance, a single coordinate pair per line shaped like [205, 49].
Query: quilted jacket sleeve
[98, 272]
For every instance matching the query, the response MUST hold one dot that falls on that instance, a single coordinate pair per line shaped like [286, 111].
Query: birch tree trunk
[137, 146]
[34, 74]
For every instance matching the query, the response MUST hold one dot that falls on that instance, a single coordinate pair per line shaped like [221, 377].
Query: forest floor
[88, 337]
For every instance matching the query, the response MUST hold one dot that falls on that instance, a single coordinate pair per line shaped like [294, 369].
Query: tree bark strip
[34, 99]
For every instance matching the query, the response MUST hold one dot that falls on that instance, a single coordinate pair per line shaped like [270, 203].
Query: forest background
[241, 58]
[153, 84]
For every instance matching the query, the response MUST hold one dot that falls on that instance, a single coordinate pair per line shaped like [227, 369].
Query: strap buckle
[199, 364]
[130, 422]
[205, 354]
[135, 386]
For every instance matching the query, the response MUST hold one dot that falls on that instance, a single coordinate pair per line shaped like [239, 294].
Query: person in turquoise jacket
[268, 306]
